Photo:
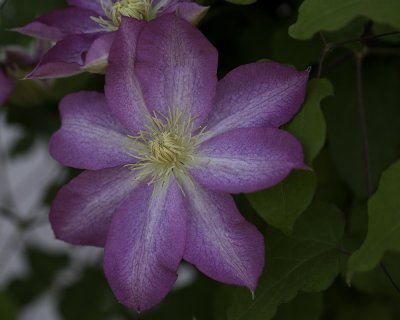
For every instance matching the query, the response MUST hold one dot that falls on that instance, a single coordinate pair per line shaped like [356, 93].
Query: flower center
[166, 146]
[137, 9]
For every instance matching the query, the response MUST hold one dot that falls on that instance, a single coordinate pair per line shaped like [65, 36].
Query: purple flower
[163, 149]
[84, 32]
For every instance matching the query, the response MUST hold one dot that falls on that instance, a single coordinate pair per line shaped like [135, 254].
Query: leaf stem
[361, 113]
[389, 276]
[359, 55]
[327, 48]
[365, 38]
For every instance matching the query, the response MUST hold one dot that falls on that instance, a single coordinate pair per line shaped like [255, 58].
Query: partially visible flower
[15, 61]
[6, 86]
[84, 32]
[163, 149]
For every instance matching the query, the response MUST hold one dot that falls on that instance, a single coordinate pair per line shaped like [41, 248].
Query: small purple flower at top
[84, 32]
[163, 150]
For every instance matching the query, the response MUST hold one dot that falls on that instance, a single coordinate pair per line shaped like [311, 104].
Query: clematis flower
[84, 31]
[163, 150]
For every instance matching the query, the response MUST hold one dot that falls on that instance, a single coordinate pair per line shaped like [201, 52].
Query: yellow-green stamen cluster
[138, 9]
[166, 146]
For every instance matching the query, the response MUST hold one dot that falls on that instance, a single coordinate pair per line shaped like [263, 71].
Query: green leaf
[282, 204]
[306, 306]
[241, 2]
[309, 124]
[330, 188]
[305, 261]
[381, 104]
[380, 28]
[383, 224]
[330, 15]
[375, 282]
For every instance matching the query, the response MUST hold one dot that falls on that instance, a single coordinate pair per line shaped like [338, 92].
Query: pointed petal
[123, 90]
[58, 24]
[176, 66]
[96, 60]
[247, 159]
[145, 245]
[219, 242]
[191, 11]
[64, 59]
[89, 138]
[6, 86]
[263, 94]
[82, 210]
[186, 9]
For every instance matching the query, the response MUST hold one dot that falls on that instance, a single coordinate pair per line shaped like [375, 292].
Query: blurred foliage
[313, 221]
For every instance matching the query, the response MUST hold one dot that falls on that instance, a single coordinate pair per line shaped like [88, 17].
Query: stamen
[137, 9]
[166, 146]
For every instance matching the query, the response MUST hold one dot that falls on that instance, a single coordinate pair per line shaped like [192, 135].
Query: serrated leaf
[241, 2]
[309, 124]
[383, 224]
[305, 261]
[282, 204]
[330, 15]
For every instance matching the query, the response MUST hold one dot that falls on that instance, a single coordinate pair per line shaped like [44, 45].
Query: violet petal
[90, 138]
[177, 67]
[219, 241]
[145, 245]
[191, 11]
[93, 5]
[123, 90]
[66, 58]
[263, 94]
[97, 56]
[82, 210]
[58, 24]
[247, 159]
